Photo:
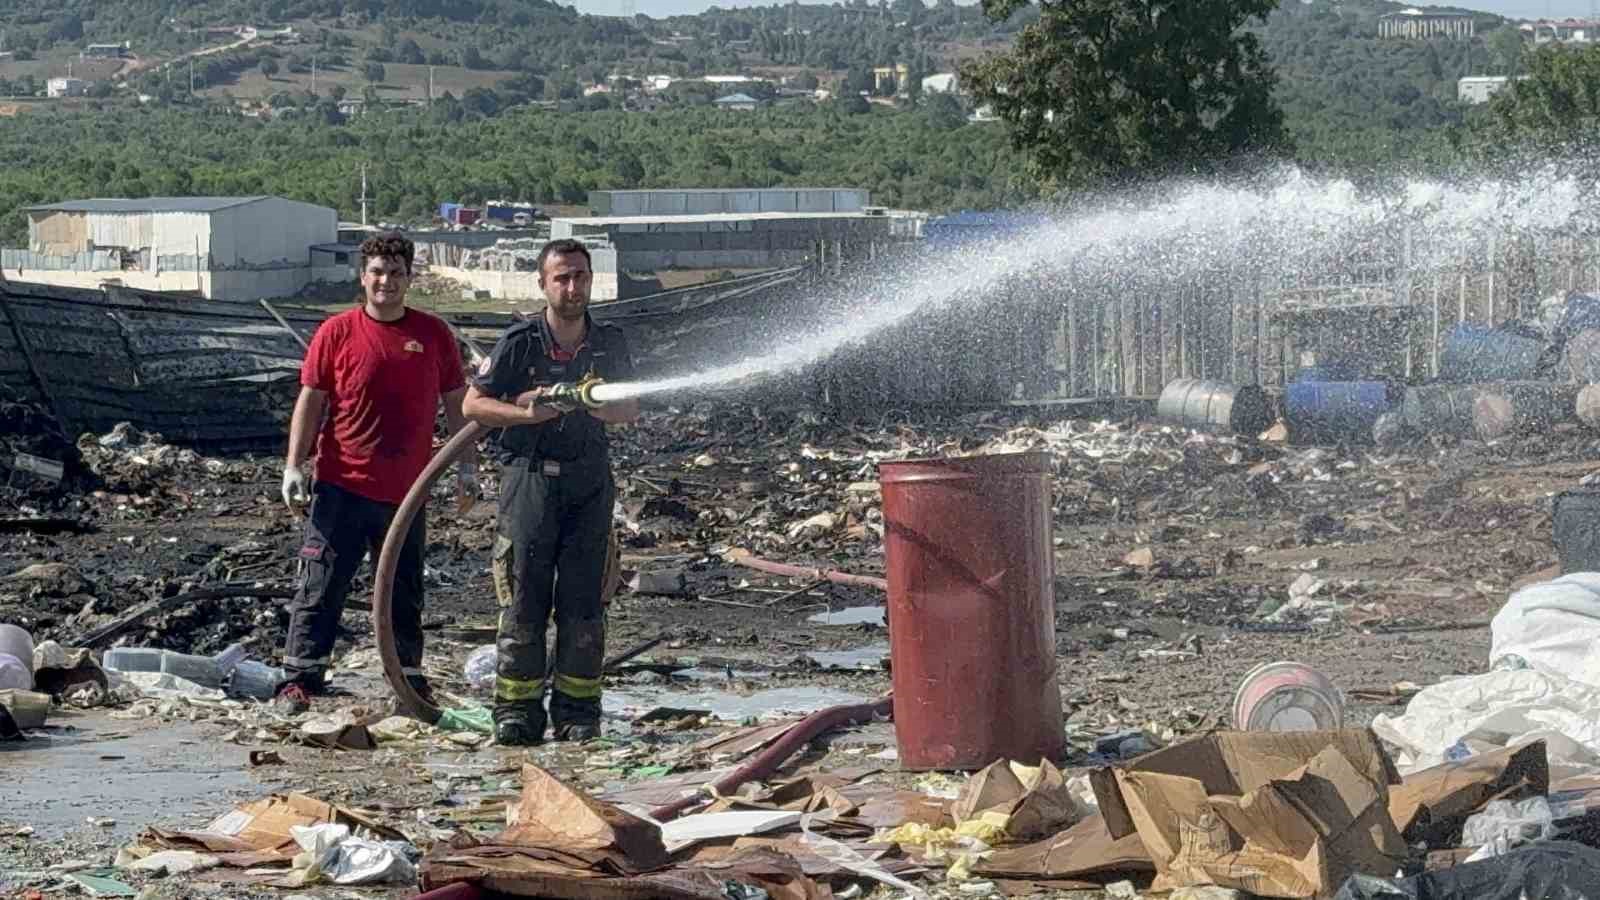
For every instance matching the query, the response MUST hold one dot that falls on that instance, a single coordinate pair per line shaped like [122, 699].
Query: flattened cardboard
[1432, 805]
[1275, 814]
[1084, 852]
[552, 816]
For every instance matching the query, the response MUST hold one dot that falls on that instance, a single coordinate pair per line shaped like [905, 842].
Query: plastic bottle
[202, 670]
[255, 680]
[480, 668]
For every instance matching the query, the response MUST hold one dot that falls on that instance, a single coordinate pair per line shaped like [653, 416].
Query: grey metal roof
[146, 204]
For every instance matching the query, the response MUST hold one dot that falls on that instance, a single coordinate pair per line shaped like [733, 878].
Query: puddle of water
[707, 673]
[868, 657]
[856, 615]
[775, 703]
[58, 782]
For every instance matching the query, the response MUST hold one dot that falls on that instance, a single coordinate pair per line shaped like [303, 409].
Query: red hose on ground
[767, 761]
[388, 560]
[743, 558]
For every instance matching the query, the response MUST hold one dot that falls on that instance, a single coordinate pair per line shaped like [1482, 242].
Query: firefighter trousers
[342, 528]
[550, 557]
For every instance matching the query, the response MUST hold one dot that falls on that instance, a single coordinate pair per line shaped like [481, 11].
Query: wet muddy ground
[1414, 550]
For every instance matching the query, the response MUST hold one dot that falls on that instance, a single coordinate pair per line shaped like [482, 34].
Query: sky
[1524, 9]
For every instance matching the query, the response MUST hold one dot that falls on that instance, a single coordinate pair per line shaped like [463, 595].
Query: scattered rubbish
[266, 758]
[331, 854]
[480, 668]
[1026, 802]
[1549, 869]
[661, 582]
[340, 731]
[857, 615]
[477, 719]
[1551, 627]
[254, 680]
[681, 834]
[209, 672]
[1287, 696]
[172, 862]
[1431, 806]
[16, 658]
[98, 883]
[1284, 814]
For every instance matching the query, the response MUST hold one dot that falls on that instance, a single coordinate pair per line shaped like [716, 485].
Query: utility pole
[430, 84]
[191, 76]
[313, 73]
[363, 195]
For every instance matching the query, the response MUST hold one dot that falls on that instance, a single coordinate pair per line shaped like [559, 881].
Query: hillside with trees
[416, 158]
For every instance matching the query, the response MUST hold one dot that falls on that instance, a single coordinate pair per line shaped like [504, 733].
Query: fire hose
[567, 394]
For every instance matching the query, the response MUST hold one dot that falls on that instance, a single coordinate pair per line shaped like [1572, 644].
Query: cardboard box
[1274, 814]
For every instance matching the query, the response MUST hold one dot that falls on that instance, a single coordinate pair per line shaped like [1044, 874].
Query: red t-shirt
[383, 381]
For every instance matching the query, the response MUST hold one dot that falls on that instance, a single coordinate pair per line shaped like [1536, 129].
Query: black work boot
[519, 724]
[575, 720]
[577, 732]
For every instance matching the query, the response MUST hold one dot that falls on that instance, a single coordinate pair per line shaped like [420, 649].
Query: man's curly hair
[393, 244]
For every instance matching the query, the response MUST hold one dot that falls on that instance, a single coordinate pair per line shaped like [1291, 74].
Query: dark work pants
[343, 527]
[550, 556]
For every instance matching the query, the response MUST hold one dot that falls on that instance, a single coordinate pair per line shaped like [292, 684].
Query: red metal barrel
[972, 610]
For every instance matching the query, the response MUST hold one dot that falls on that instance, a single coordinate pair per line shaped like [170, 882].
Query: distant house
[1479, 88]
[105, 51]
[1417, 23]
[890, 79]
[729, 79]
[942, 83]
[593, 89]
[657, 82]
[66, 87]
[741, 102]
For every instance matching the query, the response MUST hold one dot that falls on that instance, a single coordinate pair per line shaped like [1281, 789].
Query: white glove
[467, 489]
[296, 487]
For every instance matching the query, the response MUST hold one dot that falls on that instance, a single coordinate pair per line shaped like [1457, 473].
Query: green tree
[1103, 91]
[408, 52]
[269, 67]
[471, 58]
[1553, 108]
[373, 72]
[1505, 48]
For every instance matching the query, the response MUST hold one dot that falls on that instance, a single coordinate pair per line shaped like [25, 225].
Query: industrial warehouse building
[757, 240]
[699, 201]
[227, 248]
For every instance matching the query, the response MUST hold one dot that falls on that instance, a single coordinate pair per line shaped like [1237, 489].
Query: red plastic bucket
[971, 580]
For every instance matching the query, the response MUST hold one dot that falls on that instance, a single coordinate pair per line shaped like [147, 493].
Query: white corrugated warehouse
[231, 248]
[701, 201]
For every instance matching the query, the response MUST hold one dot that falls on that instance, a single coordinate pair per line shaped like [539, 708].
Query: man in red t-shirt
[373, 377]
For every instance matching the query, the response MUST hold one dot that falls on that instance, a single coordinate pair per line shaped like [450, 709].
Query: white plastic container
[16, 643]
[14, 674]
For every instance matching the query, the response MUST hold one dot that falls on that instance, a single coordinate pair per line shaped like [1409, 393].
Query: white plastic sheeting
[1545, 683]
[1552, 627]
[1495, 709]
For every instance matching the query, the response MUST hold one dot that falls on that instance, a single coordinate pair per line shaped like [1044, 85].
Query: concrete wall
[241, 286]
[519, 285]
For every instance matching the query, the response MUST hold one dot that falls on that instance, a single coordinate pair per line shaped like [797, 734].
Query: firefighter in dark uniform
[556, 497]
